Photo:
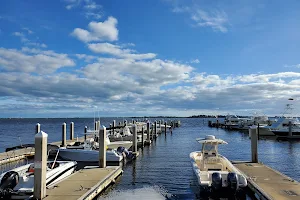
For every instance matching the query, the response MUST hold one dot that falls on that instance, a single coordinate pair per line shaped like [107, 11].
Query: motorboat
[18, 183]
[88, 152]
[214, 171]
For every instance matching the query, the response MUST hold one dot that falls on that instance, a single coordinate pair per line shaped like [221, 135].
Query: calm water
[163, 170]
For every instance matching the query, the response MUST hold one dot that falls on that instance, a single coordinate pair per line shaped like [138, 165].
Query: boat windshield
[209, 148]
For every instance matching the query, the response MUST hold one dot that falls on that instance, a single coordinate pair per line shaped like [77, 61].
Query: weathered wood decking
[268, 183]
[84, 184]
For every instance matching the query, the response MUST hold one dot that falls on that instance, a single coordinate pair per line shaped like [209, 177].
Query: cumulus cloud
[98, 31]
[115, 50]
[37, 61]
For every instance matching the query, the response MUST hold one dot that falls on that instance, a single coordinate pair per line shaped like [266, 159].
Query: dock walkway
[268, 183]
[84, 184]
[14, 155]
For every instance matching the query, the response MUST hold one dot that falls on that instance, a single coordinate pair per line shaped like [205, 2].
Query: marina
[289, 186]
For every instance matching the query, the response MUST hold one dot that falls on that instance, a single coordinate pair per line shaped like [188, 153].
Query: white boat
[214, 171]
[20, 181]
[88, 153]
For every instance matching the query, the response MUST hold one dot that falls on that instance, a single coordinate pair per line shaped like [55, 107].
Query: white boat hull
[82, 155]
[220, 165]
[25, 186]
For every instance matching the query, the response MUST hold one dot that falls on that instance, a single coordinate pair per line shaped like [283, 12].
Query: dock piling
[37, 128]
[85, 131]
[290, 129]
[134, 139]
[165, 128]
[72, 131]
[40, 165]
[148, 132]
[98, 125]
[64, 135]
[114, 125]
[143, 136]
[155, 129]
[102, 147]
[253, 134]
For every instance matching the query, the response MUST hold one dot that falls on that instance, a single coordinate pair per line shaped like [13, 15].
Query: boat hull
[82, 155]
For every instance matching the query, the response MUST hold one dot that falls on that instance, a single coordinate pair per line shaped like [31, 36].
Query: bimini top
[210, 139]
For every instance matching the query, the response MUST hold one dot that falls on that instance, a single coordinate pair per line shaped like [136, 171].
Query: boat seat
[215, 166]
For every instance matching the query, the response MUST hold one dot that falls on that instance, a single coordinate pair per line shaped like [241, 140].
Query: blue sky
[68, 58]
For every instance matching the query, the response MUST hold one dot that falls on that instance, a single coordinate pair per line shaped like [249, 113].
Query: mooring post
[165, 128]
[290, 129]
[155, 129]
[254, 151]
[40, 165]
[148, 132]
[114, 125]
[134, 139]
[96, 126]
[37, 128]
[102, 147]
[142, 135]
[72, 131]
[258, 131]
[85, 131]
[151, 133]
[64, 135]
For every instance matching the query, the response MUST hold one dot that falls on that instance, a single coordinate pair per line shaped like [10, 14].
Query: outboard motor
[128, 154]
[233, 181]
[8, 182]
[216, 182]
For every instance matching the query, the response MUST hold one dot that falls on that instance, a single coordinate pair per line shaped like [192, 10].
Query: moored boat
[214, 171]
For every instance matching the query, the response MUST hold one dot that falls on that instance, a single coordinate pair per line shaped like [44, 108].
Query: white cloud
[86, 58]
[90, 8]
[195, 61]
[40, 62]
[98, 31]
[204, 17]
[28, 30]
[42, 45]
[107, 48]
[288, 66]
[91, 5]
[217, 20]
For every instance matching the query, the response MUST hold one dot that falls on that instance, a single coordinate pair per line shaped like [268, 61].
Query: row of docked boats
[285, 126]
[18, 183]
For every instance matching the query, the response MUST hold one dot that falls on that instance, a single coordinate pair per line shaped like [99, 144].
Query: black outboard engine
[128, 154]
[216, 181]
[8, 182]
[233, 181]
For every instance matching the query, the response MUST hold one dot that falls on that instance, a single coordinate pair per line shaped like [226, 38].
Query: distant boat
[215, 172]
[18, 183]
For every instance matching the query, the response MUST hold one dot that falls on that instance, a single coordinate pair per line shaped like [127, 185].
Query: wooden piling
[155, 129]
[72, 131]
[253, 134]
[40, 165]
[114, 125]
[148, 132]
[102, 147]
[64, 135]
[290, 129]
[165, 128]
[96, 126]
[85, 131]
[143, 136]
[134, 139]
[37, 128]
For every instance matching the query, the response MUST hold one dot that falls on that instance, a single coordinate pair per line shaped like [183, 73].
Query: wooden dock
[84, 184]
[15, 155]
[268, 183]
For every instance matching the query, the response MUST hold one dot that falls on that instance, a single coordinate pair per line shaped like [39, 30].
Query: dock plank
[15, 155]
[271, 183]
[84, 184]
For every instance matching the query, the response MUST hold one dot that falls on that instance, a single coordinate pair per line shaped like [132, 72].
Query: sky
[72, 58]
